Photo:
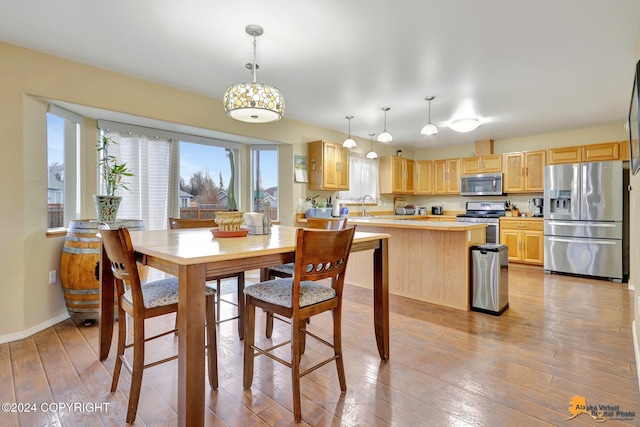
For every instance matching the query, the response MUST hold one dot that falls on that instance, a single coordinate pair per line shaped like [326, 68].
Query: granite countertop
[414, 224]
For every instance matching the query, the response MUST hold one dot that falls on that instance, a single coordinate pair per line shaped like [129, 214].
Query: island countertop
[415, 224]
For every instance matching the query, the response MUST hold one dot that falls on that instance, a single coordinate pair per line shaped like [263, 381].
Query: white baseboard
[27, 333]
[636, 350]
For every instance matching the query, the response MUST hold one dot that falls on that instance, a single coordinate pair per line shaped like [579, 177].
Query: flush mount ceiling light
[349, 143]
[464, 125]
[385, 136]
[429, 128]
[371, 154]
[253, 102]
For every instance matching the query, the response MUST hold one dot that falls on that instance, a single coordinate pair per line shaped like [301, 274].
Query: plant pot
[106, 207]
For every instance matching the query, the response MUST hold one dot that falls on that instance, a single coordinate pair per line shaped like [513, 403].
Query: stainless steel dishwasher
[490, 284]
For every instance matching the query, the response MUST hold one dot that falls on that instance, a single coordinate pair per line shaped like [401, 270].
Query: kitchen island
[428, 261]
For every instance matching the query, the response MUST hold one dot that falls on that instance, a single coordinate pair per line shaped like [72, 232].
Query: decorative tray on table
[229, 233]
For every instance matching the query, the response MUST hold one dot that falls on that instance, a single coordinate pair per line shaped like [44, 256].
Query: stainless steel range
[485, 213]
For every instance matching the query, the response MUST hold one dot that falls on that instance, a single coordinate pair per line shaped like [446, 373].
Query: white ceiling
[525, 67]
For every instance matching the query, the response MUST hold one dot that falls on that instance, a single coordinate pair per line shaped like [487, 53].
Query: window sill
[56, 232]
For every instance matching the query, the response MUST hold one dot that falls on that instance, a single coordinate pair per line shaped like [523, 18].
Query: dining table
[193, 256]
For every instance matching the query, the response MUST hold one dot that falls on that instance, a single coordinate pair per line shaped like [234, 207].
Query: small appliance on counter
[436, 210]
[400, 207]
[536, 206]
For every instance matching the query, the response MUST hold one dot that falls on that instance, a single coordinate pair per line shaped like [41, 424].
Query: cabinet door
[534, 171]
[513, 173]
[343, 168]
[533, 247]
[600, 152]
[424, 177]
[471, 165]
[397, 175]
[440, 173]
[511, 238]
[409, 170]
[565, 155]
[492, 163]
[453, 176]
[330, 166]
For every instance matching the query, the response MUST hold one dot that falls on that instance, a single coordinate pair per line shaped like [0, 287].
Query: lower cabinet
[525, 239]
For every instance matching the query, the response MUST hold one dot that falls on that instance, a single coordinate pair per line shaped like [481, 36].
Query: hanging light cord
[253, 58]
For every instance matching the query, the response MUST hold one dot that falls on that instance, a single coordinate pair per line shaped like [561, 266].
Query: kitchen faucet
[364, 208]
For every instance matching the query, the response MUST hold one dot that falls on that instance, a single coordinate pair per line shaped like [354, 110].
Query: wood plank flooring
[562, 337]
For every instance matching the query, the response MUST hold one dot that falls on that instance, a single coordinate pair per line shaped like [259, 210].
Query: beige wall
[27, 255]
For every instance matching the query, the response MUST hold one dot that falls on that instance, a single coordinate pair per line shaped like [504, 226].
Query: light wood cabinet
[482, 164]
[588, 153]
[600, 152]
[564, 155]
[396, 175]
[447, 176]
[525, 239]
[328, 166]
[524, 172]
[423, 177]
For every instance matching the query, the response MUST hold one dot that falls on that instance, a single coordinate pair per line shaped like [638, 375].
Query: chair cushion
[161, 292]
[278, 292]
[283, 268]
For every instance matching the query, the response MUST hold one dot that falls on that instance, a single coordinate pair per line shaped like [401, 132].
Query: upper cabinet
[587, 153]
[328, 166]
[482, 164]
[524, 172]
[424, 177]
[446, 176]
[396, 175]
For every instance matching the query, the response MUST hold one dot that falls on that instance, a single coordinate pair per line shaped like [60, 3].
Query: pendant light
[385, 136]
[371, 154]
[253, 102]
[429, 128]
[349, 142]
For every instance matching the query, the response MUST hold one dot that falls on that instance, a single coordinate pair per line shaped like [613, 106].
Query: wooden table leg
[105, 317]
[191, 320]
[381, 297]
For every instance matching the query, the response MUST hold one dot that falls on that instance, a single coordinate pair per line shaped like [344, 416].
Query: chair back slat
[327, 223]
[191, 223]
[117, 244]
[321, 254]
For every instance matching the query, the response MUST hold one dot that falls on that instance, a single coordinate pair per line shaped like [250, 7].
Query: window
[264, 179]
[363, 178]
[63, 141]
[205, 177]
[176, 174]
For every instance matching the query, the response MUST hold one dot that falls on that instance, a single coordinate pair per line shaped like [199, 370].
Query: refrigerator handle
[582, 241]
[573, 224]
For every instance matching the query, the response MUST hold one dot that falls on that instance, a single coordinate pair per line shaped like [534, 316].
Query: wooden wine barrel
[80, 266]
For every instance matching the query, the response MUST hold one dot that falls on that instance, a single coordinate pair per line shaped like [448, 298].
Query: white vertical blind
[149, 161]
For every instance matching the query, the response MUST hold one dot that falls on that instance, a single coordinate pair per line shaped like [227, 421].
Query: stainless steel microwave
[482, 184]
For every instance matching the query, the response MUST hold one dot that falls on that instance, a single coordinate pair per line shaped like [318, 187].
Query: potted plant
[112, 173]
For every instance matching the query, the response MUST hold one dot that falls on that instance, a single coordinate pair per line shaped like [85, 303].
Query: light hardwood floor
[562, 337]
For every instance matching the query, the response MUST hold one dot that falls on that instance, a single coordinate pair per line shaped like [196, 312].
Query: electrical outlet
[53, 277]
[638, 305]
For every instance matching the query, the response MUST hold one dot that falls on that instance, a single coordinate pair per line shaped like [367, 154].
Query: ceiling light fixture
[464, 125]
[385, 136]
[371, 154]
[253, 102]
[429, 128]
[349, 143]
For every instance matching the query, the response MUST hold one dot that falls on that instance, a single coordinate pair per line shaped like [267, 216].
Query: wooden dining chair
[210, 223]
[286, 270]
[319, 255]
[142, 302]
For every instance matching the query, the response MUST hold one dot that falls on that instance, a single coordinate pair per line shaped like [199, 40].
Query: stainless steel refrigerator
[584, 219]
